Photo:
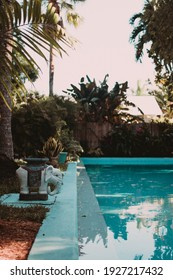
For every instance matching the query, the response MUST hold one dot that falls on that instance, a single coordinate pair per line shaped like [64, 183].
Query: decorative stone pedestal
[34, 171]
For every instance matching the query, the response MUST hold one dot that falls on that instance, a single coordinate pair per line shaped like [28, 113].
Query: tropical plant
[70, 145]
[37, 118]
[164, 95]
[97, 102]
[23, 27]
[33, 122]
[30, 69]
[153, 30]
[74, 150]
[52, 148]
[63, 140]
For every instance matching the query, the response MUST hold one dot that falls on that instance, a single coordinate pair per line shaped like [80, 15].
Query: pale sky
[104, 48]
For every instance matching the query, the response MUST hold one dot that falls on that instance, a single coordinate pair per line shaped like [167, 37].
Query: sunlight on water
[137, 205]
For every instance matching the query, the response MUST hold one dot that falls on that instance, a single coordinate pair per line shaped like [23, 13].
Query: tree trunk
[51, 72]
[6, 142]
[51, 57]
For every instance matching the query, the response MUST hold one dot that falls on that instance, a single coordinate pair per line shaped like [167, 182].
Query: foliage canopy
[25, 28]
[153, 29]
[97, 102]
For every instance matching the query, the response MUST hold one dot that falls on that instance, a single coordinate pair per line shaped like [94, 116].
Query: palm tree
[72, 18]
[153, 29]
[23, 28]
[141, 34]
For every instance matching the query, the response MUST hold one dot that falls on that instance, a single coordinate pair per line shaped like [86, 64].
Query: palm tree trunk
[51, 55]
[6, 142]
[57, 6]
[51, 71]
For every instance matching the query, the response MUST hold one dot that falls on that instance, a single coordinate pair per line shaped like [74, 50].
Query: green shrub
[35, 120]
[127, 141]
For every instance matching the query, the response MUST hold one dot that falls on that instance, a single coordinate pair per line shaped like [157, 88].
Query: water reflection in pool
[137, 204]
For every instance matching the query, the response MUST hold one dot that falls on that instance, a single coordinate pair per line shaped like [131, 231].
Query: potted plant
[71, 147]
[51, 149]
[74, 150]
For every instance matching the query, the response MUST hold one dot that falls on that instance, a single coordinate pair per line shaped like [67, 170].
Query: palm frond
[134, 17]
[24, 27]
[73, 18]
[65, 5]
[137, 32]
[76, 1]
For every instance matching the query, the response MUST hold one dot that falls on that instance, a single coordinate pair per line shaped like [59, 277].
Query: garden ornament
[51, 176]
[48, 175]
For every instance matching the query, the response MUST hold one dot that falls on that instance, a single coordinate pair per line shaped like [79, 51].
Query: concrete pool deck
[74, 217]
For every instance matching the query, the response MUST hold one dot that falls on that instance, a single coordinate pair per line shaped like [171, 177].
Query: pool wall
[127, 161]
[91, 223]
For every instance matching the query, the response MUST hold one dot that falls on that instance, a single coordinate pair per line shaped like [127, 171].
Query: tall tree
[153, 31]
[23, 28]
[72, 18]
[54, 4]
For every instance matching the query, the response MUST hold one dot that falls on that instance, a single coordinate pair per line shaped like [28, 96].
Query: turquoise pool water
[137, 205]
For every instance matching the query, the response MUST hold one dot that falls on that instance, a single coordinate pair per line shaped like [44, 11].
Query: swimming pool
[136, 200]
